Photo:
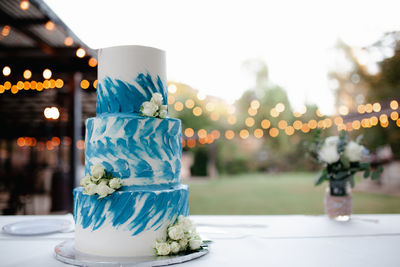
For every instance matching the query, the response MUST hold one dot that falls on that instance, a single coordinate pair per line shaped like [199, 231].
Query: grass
[289, 193]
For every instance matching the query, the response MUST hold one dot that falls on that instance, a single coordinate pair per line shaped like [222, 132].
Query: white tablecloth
[284, 240]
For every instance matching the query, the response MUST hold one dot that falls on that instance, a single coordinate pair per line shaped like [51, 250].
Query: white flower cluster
[154, 107]
[181, 236]
[329, 151]
[99, 183]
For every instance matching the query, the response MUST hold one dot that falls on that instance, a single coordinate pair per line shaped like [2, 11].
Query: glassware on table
[338, 200]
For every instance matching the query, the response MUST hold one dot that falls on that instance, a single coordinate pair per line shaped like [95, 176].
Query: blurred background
[251, 81]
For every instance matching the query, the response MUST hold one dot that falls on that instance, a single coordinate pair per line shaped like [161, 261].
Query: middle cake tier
[140, 150]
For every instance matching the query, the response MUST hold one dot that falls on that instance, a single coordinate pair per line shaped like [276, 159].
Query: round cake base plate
[65, 252]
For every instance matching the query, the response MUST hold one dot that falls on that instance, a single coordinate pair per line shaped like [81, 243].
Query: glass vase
[338, 200]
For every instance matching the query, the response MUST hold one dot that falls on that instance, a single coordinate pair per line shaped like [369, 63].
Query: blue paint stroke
[134, 210]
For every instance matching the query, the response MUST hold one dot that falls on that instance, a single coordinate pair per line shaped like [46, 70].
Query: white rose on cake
[175, 247]
[104, 190]
[149, 108]
[115, 183]
[328, 153]
[176, 232]
[195, 244]
[188, 225]
[162, 248]
[97, 172]
[163, 112]
[353, 151]
[157, 99]
[85, 181]
[90, 189]
[183, 243]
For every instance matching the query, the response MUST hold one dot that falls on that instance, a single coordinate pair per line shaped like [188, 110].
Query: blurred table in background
[281, 240]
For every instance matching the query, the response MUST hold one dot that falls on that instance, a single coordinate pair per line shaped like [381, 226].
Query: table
[282, 240]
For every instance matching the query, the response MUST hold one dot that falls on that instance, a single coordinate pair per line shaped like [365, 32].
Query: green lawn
[288, 193]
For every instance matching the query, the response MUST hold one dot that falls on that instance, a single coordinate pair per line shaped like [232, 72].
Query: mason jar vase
[338, 200]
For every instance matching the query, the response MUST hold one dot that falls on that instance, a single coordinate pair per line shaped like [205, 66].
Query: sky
[207, 41]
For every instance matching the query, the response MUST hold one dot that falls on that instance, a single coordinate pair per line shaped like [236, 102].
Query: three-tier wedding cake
[143, 151]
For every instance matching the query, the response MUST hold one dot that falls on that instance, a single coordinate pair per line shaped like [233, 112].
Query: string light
[289, 130]
[368, 108]
[24, 4]
[172, 88]
[178, 106]
[6, 30]
[47, 74]
[6, 71]
[280, 107]
[394, 115]
[229, 134]
[14, 89]
[202, 133]
[343, 110]
[258, 133]
[85, 84]
[68, 41]
[201, 96]
[189, 132]
[189, 103]
[20, 85]
[252, 111]
[297, 124]
[27, 74]
[92, 62]
[361, 109]
[59, 83]
[216, 134]
[191, 143]
[255, 104]
[80, 52]
[274, 113]
[249, 122]
[356, 124]
[312, 124]
[171, 99]
[50, 26]
[265, 124]
[394, 104]
[51, 113]
[197, 111]
[376, 107]
[273, 132]
[244, 134]
[282, 124]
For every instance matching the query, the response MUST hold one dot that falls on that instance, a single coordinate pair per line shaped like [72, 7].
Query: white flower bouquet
[99, 182]
[181, 237]
[342, 158]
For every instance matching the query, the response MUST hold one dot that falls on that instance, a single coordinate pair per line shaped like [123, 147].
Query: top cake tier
[129, 76]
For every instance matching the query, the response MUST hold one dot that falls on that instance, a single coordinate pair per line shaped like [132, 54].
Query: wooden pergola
[36, 39]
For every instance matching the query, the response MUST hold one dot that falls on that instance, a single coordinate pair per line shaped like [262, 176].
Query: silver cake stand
[65, 252]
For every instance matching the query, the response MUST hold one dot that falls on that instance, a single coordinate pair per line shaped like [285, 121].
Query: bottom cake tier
[126, 223]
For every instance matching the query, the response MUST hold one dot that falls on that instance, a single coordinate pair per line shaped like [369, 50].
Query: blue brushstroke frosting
[134, 211]
[145, 150]
[117, 96]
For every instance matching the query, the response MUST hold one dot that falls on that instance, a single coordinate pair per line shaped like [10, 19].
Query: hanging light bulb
[47, 74]
[24, 4]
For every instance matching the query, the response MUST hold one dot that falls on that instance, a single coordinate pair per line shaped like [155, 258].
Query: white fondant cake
[145, 152]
